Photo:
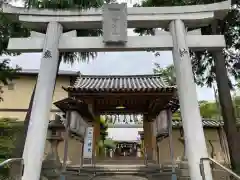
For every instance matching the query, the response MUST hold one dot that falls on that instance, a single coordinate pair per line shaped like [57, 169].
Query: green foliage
[209, 110]
[8, 131]
[7, 74]
[103, 135]
[177, 115]
[168, 73]
[103, 129]
[236, 103]
[203, 62]
[109, 143]
[9, 29]
[64, 4]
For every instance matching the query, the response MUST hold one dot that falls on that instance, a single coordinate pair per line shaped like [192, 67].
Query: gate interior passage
[52, 34]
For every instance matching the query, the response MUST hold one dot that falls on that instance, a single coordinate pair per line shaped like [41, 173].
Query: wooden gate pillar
[154, 141]
[147, 137]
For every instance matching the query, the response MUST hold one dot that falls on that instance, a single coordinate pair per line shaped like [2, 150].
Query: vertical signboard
[88, 144]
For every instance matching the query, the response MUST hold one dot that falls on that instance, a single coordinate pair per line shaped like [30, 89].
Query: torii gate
[116, 18]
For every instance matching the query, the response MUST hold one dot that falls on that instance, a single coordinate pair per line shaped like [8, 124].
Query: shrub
[8, 131]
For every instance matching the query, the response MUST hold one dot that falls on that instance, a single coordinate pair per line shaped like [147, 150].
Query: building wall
[210, 134]
[16, 101]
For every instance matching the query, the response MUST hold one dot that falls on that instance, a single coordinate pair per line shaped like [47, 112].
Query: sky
[113, 63]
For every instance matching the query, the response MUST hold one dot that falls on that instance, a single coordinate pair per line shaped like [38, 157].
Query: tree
[103, 129]
[7, 74]
[168, 73]
[217, 66]
[8, 132]
[208, 110]
[103, 134]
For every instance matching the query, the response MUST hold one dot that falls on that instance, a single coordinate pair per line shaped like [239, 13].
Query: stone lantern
[51, 167]
[161, 129]
[182, 140]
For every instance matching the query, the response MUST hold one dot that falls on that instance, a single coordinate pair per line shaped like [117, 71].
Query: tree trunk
[20, 141]
[225, 99]
[227, 108]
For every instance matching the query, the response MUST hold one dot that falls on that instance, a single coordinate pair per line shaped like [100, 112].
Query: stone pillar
[192, 122]
[37, 130]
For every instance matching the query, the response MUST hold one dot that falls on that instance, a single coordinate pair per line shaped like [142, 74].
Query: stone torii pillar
[37, 130]
[192, 121]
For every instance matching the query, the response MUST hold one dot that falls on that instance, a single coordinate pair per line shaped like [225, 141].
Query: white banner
[88, 143]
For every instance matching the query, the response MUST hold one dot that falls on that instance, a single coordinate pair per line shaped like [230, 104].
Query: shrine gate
[54, 32]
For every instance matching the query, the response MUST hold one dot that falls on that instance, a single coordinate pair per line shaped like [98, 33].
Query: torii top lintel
[138, 17]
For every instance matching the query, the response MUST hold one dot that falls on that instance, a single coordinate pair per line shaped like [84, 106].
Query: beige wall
[19, 97]
[210, 134]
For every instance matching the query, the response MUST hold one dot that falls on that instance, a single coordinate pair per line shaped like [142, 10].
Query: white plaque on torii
[115, 23]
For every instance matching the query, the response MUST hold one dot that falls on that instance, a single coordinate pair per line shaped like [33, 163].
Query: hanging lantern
[77, 124]
[162, 124]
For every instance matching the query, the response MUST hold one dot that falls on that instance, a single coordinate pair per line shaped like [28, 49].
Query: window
[54, 132]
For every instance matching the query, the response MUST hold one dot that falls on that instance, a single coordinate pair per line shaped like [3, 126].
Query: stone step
[118, 176]
[116, 168]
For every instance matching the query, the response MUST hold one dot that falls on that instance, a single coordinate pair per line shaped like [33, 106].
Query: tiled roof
[133, 83]
[36, 71]
[206, 123]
